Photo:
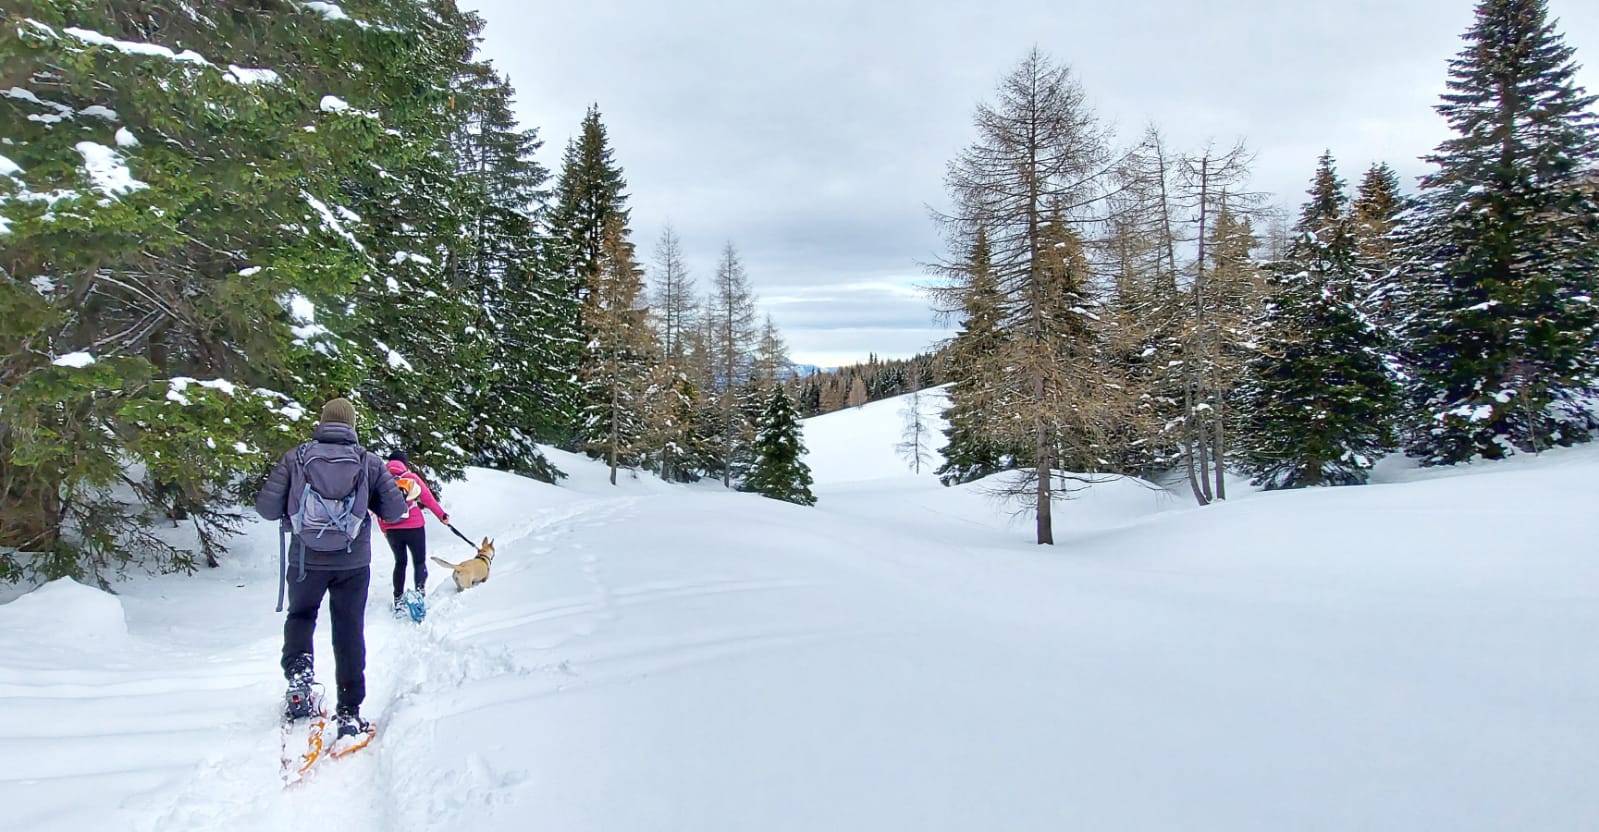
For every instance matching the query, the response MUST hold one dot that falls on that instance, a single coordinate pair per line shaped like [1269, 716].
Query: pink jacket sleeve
[428, 501]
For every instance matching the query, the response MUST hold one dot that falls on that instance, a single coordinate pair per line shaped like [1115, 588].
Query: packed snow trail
[1410, 655]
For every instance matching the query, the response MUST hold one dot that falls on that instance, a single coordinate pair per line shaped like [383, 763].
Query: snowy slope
[1410, 655]
[858, 443]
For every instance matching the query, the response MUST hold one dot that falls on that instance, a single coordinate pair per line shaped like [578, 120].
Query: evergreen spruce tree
[219, 225]
[1503, 249]
[972, 450]
[1374, 219]
[779, 470]
[520, 383]
[1318, 405]
[589, 193]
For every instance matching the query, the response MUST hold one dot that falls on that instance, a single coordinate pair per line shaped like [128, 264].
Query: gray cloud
[814, 135]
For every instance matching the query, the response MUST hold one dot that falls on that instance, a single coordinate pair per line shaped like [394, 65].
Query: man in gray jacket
[322, 492]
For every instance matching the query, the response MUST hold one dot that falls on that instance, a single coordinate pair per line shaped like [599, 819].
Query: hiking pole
[462, 536]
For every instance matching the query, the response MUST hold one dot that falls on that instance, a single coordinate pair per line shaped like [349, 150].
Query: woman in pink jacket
[409, 533]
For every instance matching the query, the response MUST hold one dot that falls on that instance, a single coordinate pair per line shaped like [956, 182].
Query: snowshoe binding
[303, 699]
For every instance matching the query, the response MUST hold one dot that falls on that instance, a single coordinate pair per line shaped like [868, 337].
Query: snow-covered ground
[1416, 654]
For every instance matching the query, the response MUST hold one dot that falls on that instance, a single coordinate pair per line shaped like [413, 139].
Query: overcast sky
[814, 135]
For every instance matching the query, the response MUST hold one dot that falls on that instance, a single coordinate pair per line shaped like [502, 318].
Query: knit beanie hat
[399, 456]
[339, 410]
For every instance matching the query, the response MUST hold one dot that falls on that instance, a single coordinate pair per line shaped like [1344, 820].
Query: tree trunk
[1221, 449]
[1201, 363]
[615, 411]
[1189, 449]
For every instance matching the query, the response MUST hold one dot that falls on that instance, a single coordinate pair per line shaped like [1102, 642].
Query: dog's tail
[442, 562]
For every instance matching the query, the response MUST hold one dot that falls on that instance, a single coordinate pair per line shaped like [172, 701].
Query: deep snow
[1415, 654]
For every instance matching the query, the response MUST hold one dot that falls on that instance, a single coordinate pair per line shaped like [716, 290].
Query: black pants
[346, 591]
[415, 540]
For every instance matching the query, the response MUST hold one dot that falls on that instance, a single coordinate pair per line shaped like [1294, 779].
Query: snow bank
[65, 613]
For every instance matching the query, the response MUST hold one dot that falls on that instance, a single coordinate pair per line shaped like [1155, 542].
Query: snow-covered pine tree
[413, 310]
[972, 449]
[730, 343]
[519, 386]
[589, 192]
[618, 363]
[215, 229]
[1502, 251]
[1318, 404]
[778, 469]
[1374, 218]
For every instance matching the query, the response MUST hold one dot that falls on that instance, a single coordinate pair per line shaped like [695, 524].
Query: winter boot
[400, 609]
[350, 722]
[299, 702]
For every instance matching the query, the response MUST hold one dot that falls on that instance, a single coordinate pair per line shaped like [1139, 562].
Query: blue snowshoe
[415, 604]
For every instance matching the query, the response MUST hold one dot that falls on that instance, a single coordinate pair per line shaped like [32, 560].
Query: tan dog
[471, 572]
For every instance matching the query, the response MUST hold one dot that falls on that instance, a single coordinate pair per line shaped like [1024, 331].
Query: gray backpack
[333, 497]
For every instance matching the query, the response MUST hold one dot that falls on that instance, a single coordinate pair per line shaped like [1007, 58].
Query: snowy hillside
[858, 443]
[1410, 655]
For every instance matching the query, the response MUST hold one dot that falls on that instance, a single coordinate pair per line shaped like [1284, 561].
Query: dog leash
[462, 536]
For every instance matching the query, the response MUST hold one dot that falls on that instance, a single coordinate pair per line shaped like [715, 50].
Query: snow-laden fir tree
[1503, 249]
[233, 221]
[521, 386]
[589, 193]
[778, 469]
[972, 448]
[1374, 219]
[1318, 405]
